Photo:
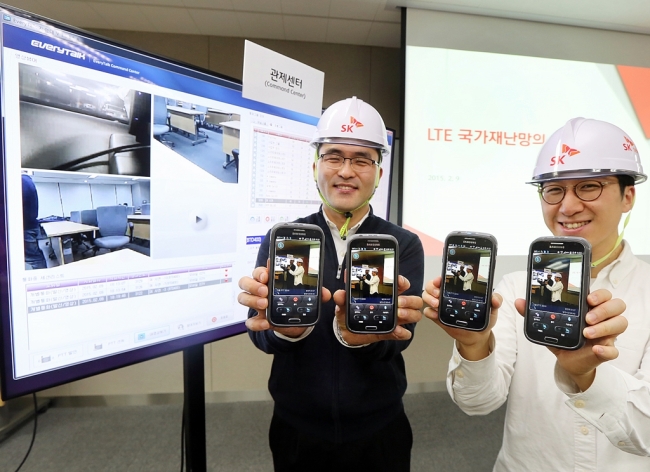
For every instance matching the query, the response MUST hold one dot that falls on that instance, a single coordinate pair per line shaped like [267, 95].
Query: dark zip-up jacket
[328, 390]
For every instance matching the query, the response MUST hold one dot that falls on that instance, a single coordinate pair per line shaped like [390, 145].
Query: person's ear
[629, 197]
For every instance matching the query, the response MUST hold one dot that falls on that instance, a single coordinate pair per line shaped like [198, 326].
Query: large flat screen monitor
[136, 192]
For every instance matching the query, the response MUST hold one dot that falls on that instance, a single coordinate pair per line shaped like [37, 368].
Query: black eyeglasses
[358, 164]
[587, 191]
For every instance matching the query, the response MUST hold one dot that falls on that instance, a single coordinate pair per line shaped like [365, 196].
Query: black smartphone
[296, 253]
[559, 271]
[468, 264]
[371, 285]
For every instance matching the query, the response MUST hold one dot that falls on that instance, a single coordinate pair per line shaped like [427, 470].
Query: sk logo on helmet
[628, 145]
[566, 152]
[354, 124]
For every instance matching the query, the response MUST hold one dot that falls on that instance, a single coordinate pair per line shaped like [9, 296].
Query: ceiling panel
[169, 19]
[160, 3]
[264, 6]
[261, 25]
[354, 9]
[304, 28]
[318, 8]
[210, 4]
[217, 23]
[384, 34]
[350, 21]
[347, 31]
[123, 17]
[391, 14]
[76, 14]
[33, 6]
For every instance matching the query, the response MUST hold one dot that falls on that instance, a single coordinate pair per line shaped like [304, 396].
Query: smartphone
[559, 271]
[296, 255]
[467, 275]
[371, 284]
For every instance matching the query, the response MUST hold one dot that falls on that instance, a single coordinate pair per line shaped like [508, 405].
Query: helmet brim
[350, 141]
[586, 174]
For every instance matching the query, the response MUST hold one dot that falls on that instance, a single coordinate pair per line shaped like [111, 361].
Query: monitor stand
[13, 413]
[194, 409]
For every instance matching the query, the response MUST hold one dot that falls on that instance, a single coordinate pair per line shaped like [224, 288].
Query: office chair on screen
[234, 160]
[77, 239]
[161, 120]
[200, 121]
[113, 225]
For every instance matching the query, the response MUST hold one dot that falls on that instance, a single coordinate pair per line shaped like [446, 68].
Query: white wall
[59, 199]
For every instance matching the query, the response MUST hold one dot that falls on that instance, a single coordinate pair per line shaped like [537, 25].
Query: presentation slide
[474, 125]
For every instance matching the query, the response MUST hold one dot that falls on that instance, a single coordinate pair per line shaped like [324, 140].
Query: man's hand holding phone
[255, 295]
[408, 311]
[603, 324]
[472, 345]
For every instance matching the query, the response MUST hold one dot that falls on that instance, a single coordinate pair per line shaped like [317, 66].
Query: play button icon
[198, 220]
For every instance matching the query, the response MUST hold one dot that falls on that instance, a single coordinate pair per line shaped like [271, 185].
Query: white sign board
[275, 79]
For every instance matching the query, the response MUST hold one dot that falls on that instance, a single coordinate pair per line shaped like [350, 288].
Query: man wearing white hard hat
[467, 278]
[587, 409]
[297, 273]
[338, 395]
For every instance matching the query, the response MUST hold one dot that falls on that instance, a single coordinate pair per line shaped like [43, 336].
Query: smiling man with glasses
[587, 409]
[338, 395]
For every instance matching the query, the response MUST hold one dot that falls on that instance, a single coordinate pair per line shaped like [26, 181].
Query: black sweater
[324, 388]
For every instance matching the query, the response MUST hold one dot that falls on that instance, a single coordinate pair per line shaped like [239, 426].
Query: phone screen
[467, 284]
[372, 284]
[555, 293]
[295, 269]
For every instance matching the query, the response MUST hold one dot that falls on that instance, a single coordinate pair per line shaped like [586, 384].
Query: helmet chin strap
[618, 240]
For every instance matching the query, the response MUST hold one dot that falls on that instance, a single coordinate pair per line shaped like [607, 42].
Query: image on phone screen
[467, 276]
[555, 295]
[372, 286]
[295, 270]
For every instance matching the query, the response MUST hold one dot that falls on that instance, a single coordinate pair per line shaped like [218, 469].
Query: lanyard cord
[618, 242]
[348, 214]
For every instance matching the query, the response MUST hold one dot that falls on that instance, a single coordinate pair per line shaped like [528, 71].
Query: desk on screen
[57, 229]
[186, 120]
[216, 117]
[141, 226]
[230, 138]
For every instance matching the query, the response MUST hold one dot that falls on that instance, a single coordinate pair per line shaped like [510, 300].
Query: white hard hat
[588, 148]
[558, 275]
[299, 260]
[352, 121]
[469, 267]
